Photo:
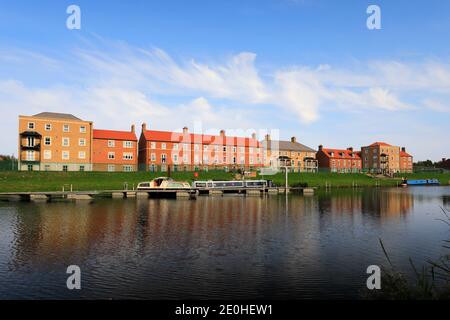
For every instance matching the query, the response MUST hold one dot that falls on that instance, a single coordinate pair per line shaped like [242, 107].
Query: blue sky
[301, 68]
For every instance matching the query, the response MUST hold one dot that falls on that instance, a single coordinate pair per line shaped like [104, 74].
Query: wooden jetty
[161, 193]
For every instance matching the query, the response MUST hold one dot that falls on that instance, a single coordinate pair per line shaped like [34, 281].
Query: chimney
[294, 139]
[222, 133]
[403, 149]
[144, 127]
[350, 149]
[185, 130]
[267, 137]
[133, 128]
[254, 135]
[320, 147]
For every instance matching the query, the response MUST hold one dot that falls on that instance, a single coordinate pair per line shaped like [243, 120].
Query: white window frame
[66, 128]
[48, 127]
[81, 154]
[65, 155]
[31, 125]
[111, 155]
[111, 143]
[83, 129]
[45, 141]
[63, 142]
[128, 144]
[128, 156]
[47, 154]
[82, 142]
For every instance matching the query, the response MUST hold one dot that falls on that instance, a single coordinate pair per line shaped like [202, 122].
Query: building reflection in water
[233, 242]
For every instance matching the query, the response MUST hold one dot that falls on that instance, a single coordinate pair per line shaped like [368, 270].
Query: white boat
[163, 183]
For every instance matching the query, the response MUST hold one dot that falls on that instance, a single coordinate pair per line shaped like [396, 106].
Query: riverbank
[89, 181]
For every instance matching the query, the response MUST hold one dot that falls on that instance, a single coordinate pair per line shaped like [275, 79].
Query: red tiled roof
[114, 135]
[346, 154]
[168, 136]
[404, 154]
[383, 144]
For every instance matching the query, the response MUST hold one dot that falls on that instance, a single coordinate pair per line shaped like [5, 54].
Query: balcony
[36, 147]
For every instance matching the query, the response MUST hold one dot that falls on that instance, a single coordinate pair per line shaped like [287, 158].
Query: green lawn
[82, 181]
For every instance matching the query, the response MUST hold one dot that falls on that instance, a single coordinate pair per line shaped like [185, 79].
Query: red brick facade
[161, 150]
[339, 160]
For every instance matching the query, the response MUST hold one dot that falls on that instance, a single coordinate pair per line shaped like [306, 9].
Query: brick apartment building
[339, 160]
[381, 157]
[115, 150]
[54, 142]
[185, 151]
[406, 161]
[292, 154]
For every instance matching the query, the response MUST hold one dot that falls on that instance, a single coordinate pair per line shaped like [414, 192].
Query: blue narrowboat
[423, 182]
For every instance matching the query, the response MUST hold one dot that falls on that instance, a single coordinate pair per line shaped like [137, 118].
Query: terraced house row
[62, 142]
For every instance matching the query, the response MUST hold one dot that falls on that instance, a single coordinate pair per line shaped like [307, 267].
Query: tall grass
[430, 282]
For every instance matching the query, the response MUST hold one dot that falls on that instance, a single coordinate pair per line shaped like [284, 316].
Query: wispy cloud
[114, 82]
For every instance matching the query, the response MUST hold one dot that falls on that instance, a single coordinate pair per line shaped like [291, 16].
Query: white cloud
[119, 83]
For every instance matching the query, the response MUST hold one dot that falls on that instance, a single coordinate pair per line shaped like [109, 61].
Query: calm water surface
[217, 247]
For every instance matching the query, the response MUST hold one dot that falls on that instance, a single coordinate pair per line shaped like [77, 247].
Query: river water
[230, 247]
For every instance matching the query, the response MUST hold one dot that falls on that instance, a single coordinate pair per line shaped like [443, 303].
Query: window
[82, 142]
[196, 159]
[175, 147]
[65, 155]
[47, 154]
[111, 168]
[30, 155]
[111, 143]
[128, 144]
[224, 149]
[65, 168]
[242, 150]
[163, 146]
[81, 155]
[196, 147]
[83, 129]
[48, 141]
[31, 125]
[163, 158]
[127, 168]
[185, 159]
[175, 158]
[153, 157]
[205, 148]
[185, 147]
[205, 159]
[251, 160]
[65, 142]
[48, 127]
[127, 156]
[250, 150]
[47, 167]
[242, 160]
[30, 141]
[66, 128]
[234, 149]
[234, 160]
[216, 148]
[111, 155]
[30, 167]
[81, 168]
[152, 145]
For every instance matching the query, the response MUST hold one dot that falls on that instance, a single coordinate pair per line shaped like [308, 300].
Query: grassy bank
[54, 181]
